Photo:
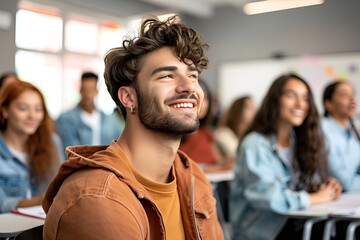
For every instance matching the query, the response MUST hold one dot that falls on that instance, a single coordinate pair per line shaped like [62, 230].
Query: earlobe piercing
[132, 109]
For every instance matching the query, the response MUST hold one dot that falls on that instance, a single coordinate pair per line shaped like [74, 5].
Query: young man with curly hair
[141, 186]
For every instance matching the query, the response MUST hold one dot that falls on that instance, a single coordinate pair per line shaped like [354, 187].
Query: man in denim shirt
[86, 125]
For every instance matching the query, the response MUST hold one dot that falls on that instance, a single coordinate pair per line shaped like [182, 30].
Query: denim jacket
[15, 178]
[74, 131]
[261, 190]
[343, 154]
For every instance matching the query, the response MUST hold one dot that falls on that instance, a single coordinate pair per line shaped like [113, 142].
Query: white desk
[12, 224]
[347, 207]
[216, 177]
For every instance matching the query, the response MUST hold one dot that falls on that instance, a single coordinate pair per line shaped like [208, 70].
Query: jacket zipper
[193, 208]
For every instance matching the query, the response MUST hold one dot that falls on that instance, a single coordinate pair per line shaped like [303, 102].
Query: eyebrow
[172, 69]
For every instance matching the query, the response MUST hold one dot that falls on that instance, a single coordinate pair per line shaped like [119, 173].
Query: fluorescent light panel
[277, 5]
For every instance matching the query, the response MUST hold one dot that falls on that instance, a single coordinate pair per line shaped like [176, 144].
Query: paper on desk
[35, 211]
[348, 204]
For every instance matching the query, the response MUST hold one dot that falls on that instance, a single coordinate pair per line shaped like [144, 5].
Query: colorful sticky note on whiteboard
[329, 70]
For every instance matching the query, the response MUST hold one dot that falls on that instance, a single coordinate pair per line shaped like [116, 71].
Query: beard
[153, 117]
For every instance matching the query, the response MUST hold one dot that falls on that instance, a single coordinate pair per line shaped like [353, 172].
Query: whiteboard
[255, 77]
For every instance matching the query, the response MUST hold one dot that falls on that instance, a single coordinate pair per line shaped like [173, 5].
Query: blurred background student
[201, 145]
[342, 138]
[233, 125]
[281, 164]
[85, 124]
[30, 151]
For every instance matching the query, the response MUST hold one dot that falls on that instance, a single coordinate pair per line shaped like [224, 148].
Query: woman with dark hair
[233, 125]
[281, 164]
[342, 138]
[28, 153]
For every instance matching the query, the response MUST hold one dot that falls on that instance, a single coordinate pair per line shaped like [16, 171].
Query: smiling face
[294, 103]
[343, 103]
[25, 114]
[168, 93]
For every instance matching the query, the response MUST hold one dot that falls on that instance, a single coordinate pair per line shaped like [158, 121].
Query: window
[53, 62]
[38, 31]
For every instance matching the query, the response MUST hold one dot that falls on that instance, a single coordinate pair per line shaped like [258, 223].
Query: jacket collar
[102, 157]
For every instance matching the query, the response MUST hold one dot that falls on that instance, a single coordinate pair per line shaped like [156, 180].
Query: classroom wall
[333, 27]
[7, 38]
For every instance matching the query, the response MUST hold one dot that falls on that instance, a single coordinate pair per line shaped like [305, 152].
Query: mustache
[183, 96]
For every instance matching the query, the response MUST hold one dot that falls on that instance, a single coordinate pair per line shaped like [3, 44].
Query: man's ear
[127, 96]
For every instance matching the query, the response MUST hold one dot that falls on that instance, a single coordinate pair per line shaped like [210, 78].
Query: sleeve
[67, 131]
[265, 183]
[346, 174]
[99, 218]
[8, 203]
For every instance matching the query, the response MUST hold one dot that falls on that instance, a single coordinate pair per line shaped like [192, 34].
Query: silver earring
[132, 109]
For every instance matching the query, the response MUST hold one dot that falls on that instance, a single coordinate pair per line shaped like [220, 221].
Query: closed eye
[166, 76]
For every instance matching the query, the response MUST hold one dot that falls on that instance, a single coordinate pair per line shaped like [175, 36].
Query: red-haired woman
[29, 149]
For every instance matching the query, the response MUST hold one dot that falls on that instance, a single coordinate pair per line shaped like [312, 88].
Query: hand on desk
[329, 191]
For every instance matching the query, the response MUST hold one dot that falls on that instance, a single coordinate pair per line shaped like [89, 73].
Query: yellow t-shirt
[166, 198]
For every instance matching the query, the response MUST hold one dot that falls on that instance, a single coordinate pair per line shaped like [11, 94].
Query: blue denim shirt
[343, 154]
[261, 190]
[15, 178]
[74, 131]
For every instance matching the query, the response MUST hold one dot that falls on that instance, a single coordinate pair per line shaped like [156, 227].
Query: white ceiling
[197, 8]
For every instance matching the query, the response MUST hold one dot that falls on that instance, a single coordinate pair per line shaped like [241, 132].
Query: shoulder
[100, 184]
[96, 197]
[70, 114]
[255, 139]
[328, 124]
[99, 200]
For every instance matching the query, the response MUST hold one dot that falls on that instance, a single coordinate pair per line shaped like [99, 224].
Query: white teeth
[298, 112]
[183, 105]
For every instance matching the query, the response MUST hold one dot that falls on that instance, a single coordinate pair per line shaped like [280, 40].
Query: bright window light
[81, 36]
[37, 31]
[277, 5]
[43, 71]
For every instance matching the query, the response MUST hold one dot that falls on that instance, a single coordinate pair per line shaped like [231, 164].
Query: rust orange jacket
[95, 196]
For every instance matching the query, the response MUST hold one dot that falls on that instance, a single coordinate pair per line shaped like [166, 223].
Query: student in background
[234, 124]
[29, 150]
[342, 138]
[201, 145]
[281, 164]
[7, 78]
[85, 124]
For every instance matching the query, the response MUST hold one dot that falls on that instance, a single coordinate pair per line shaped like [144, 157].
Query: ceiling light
[277, 5]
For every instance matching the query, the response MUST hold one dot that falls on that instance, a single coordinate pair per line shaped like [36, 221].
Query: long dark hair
[310, 148]
[328, 95]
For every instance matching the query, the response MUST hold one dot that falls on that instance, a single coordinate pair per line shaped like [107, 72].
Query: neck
[15, 140]
[283, 134]
[87, 108]
[152, 154]
[343, 121]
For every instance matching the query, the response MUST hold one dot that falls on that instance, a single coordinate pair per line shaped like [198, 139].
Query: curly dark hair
[123, 64]
[310, 147]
